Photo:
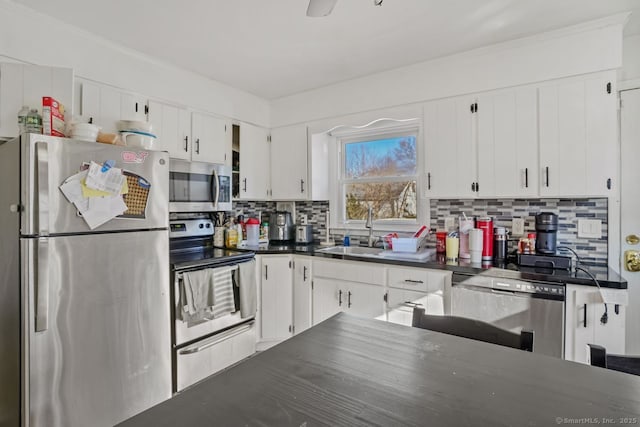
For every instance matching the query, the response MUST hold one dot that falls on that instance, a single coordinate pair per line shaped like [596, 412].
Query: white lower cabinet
[356, 288]
[276, 301]
[302, 294]
[584, 310]
[416, 287]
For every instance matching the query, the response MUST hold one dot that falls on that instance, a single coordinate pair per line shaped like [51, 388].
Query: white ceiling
[272, 49]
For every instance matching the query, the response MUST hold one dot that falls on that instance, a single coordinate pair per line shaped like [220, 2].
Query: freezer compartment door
[48, 161]
[99, 338]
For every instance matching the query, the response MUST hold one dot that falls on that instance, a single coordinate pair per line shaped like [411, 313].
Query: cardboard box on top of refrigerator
[52, 117]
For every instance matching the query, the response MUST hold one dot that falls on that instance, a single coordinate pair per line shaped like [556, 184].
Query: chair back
[627, 364]
[472, 329]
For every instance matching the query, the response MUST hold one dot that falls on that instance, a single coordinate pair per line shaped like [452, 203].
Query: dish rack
[406, 244]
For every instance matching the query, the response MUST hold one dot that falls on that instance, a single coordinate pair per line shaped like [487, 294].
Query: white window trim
[377, 129]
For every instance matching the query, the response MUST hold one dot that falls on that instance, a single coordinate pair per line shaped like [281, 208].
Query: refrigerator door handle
[42, 286]
[42, 156]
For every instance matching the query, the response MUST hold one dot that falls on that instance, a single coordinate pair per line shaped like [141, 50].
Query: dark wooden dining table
[348, 371]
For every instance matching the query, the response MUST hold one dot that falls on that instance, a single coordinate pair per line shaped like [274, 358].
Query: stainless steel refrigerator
[84, 313]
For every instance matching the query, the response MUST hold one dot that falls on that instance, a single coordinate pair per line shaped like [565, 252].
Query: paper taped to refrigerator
[105, 178]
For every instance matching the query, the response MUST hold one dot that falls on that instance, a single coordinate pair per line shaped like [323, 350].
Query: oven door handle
[216, 339]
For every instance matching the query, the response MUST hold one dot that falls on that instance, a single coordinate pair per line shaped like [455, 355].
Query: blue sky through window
[381, 157]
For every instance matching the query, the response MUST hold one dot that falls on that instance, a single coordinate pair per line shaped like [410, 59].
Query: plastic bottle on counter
[264, 230]
[231, 237]
[253, 231]
[22, 119]
[532, 243]
[33, 123]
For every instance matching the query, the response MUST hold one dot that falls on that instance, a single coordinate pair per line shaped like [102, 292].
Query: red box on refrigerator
[52, 117]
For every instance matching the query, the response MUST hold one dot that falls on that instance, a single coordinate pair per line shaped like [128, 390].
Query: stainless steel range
[214, 303]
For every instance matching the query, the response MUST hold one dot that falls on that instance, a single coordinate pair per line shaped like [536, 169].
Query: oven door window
[191, 187]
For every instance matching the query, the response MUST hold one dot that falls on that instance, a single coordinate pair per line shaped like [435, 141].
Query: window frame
[411, 127]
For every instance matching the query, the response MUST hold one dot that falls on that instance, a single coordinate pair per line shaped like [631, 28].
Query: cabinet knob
[632, 260]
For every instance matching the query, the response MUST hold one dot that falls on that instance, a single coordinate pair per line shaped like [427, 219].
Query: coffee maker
[281, 228]
[547, 230]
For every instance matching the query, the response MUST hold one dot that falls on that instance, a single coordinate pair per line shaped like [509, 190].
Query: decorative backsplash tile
[591, 251]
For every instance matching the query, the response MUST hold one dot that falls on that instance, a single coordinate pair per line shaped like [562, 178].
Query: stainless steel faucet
[369, 225]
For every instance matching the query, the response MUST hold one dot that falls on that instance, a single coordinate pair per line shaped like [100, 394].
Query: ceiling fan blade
[319, 8]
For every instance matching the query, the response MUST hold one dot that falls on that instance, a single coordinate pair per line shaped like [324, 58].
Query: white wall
[585, 48]
[31, 37]
[630, 71]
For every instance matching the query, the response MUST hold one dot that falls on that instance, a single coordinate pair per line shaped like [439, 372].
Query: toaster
[304, 233]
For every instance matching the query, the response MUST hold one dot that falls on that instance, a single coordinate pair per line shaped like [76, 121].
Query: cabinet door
[450, 155]
[26, 85]
[578, 147]
[508, 143]
[133, 106]
[209, 139]
[254, 162]
[289, 163]
[169, 130]
[329, 298]
[302, 294]
[276, 297]
[585, 308]
[365, 300]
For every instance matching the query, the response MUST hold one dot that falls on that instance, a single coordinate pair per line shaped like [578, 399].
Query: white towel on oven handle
[208, 292]
[223, 299]
[248, 288]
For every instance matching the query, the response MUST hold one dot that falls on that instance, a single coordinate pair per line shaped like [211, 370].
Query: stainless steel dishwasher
[514, 304]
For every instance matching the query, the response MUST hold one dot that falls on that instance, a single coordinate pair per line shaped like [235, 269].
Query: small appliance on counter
[304, 234]
[547, 229]
[281, 228]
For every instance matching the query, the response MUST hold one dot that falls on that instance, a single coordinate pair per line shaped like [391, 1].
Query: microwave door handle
[217, 189]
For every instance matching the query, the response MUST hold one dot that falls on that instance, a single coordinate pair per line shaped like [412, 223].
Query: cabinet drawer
[417, 279]
[361, 272]
[206, 357]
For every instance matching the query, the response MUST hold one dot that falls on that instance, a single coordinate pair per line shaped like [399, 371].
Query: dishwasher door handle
[499, 292]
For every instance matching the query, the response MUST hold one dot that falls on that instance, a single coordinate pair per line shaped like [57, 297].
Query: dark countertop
[607, 277]
[353, 371]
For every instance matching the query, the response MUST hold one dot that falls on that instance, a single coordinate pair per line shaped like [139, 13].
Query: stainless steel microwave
[199, 187]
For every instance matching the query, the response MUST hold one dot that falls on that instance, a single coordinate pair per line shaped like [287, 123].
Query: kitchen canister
[499, 243]
[218, 237]
[253, 231]
[475, 245]
[486, 225]
[441, 236]
[465, 225]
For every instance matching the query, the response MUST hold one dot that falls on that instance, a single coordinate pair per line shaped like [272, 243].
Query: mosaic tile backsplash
[591, 251]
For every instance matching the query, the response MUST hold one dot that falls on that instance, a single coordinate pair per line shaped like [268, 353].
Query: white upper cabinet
[254, 163]
[450, 154]
[26, 85]
[578, 136]
[209, 138]
[190, 136]
[289, 179]
[172, 127]
[508, 143]
[105, 105]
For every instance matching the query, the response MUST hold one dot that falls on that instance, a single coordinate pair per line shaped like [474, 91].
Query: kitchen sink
[352, 250]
